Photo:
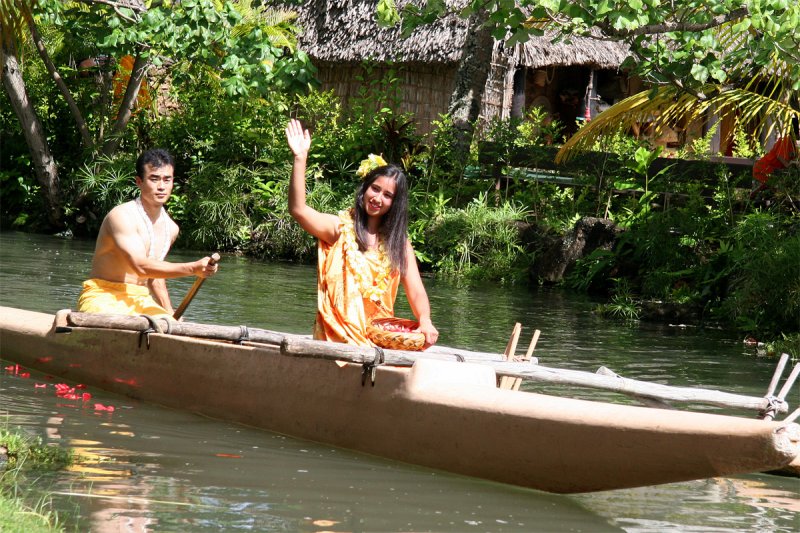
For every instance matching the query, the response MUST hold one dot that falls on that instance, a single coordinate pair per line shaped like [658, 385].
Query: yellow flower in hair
[369, 164]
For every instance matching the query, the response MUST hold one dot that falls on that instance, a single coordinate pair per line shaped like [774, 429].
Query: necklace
[371, 286]
[148, 224]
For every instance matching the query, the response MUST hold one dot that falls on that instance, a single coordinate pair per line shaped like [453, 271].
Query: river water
[146, 468]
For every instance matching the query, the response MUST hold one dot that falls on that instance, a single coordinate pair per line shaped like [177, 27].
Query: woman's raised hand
[298, 138]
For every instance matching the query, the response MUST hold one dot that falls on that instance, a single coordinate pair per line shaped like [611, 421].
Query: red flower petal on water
[86, 396]
[40, 385]
[229, 455]
[24, 374]
[80, 386]
[13, 368]
[101, 407]
[62, 389]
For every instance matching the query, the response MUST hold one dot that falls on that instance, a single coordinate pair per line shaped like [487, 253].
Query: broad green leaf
[700, 73]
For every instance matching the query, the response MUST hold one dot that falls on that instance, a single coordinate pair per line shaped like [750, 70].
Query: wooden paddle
[195, 287]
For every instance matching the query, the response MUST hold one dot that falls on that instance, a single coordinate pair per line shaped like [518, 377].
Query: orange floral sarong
[353, 287]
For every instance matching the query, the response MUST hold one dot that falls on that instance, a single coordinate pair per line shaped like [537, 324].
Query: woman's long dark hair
[394, 224]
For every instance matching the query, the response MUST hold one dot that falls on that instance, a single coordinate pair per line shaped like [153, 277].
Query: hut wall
[422, 90]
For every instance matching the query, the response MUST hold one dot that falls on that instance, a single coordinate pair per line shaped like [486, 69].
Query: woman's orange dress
[354, 287]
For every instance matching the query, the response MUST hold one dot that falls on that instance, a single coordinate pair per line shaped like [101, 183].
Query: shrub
[478, 243]
[764, 286]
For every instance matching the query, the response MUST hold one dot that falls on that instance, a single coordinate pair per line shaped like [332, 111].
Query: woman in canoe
[364, 252]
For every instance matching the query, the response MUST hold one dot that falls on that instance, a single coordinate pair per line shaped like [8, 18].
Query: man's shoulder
[121, 208]
[120, 216]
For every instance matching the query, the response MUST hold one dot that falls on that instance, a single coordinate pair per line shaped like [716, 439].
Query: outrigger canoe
[438, 410]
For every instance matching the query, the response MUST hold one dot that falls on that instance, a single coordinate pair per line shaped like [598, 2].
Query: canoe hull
[443, 415]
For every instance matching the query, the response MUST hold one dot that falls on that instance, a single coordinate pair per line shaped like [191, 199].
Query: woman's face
[378, 196]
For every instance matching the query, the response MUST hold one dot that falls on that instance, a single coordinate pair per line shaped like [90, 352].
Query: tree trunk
[140, 67]
[44, 166]
[473, 71]
[86, 138]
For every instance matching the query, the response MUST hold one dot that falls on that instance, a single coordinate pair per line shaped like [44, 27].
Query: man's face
[156, 184]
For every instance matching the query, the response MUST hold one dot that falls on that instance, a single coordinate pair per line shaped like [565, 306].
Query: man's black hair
[156, 158]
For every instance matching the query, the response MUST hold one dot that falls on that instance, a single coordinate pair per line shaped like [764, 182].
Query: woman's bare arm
[323, 226]
[418, 298]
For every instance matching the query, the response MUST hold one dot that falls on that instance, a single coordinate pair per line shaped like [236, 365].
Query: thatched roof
[542, 52]
[346, 31]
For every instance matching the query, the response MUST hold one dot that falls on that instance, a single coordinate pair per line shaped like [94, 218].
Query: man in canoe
[128, 268]
[364, 252]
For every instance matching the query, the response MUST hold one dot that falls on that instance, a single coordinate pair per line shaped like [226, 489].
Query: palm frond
[275, 24]
[668, 106]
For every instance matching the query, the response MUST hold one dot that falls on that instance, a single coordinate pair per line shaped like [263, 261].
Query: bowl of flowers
[396, 334]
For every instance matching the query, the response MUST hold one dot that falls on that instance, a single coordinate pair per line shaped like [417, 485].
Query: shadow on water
[146, 468]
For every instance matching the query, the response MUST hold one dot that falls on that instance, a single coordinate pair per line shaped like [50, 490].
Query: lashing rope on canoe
[244, 335]
[773, 406]
[370, 368]
[153, 327]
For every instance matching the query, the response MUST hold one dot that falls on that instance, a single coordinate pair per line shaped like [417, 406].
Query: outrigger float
[441, 408]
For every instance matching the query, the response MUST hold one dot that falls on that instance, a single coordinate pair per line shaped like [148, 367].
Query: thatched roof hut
[342, 35]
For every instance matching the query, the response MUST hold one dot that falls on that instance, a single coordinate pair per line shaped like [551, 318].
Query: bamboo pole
[649, 402]
[776, 377]
[527, 357]
[789, 382]
[770, 412]
[173, 327]
[366, 355]
[511, 349]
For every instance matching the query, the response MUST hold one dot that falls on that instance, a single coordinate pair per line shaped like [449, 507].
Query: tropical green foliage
[479, 242]
[236, 48]
[108, 181]
[764, 281]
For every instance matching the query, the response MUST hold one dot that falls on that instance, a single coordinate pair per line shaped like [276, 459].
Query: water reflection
[145, 468]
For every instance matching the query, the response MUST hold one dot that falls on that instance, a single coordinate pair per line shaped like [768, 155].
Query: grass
[21, 453]
[17, 517]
